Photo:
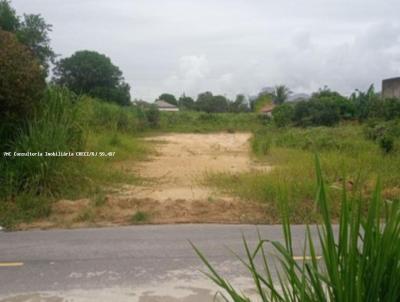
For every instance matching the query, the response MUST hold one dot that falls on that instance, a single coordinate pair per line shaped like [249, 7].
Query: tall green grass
[54, 128]
[343, 150]
[189, 121]
[66, 122]
[101, 116]
[359, 262]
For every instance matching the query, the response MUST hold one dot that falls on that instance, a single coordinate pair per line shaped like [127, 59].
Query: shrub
[365, 103]
[383, 133]
[386, 143]
[283, 115]
[140, 217]
[325, 108]
[153, 116]
[21, 80]
[391, 109]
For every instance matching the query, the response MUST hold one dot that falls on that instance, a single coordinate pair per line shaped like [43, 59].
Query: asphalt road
[137, 263]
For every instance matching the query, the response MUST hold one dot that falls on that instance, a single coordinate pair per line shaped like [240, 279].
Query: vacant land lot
[172, 187]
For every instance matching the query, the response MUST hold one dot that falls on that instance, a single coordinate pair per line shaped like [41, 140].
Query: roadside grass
[66, 122]
[358, 263]
[86, 215]
[140, 217]
[343, 150]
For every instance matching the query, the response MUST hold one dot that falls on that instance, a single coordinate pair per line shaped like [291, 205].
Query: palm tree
[281, 94]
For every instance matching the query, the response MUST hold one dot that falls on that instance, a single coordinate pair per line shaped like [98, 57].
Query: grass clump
[99, 198]
[87, 215]
[359, 262]
[140, 217]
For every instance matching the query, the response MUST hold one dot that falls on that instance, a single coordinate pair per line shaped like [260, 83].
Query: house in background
[391, 88]
[164, 106]
[267, 109]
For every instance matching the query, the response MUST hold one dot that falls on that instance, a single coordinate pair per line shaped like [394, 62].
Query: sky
[231, 46]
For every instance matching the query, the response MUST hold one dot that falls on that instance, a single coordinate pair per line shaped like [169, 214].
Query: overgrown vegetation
[329, 108]
[64, 122]
[359, 262]
[345, 150]
[91, 110]
[208, 122]
[21, 82]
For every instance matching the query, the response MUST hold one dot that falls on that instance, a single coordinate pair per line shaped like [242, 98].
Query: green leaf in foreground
[358, 260]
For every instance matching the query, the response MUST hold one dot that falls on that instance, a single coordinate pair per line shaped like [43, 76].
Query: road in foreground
[138, 263]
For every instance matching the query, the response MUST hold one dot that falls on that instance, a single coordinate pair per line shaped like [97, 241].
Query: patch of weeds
[140, 217]
[386, 144]
[33, 207]
[210, 199]
[24, 208]
[115, 141]
[99, 198]
[86, 215]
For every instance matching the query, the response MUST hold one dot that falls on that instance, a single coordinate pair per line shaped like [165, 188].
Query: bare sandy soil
[173, 189]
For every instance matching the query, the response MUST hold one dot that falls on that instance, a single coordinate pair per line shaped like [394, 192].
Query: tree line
[328, 108]
[206, 102]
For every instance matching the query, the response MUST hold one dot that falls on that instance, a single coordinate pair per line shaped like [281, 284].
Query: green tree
[281, 94]
[239, 105]
[32, 31]
[186, 102]
[21, 80]
[204, 101]
[94, 74]
[325, 108]
[153, 116]
[366, 104]
[169, 98]
[9, 21]
[220, 104]
[207, 102]
[282, 115]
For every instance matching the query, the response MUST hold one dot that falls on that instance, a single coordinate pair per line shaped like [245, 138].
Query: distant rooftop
[267, 108]
[164, 104]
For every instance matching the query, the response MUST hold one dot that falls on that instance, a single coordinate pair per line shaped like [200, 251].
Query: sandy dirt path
[173, 188]
[183, 160]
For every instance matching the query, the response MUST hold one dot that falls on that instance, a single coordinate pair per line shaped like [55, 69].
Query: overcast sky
[232, 46]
